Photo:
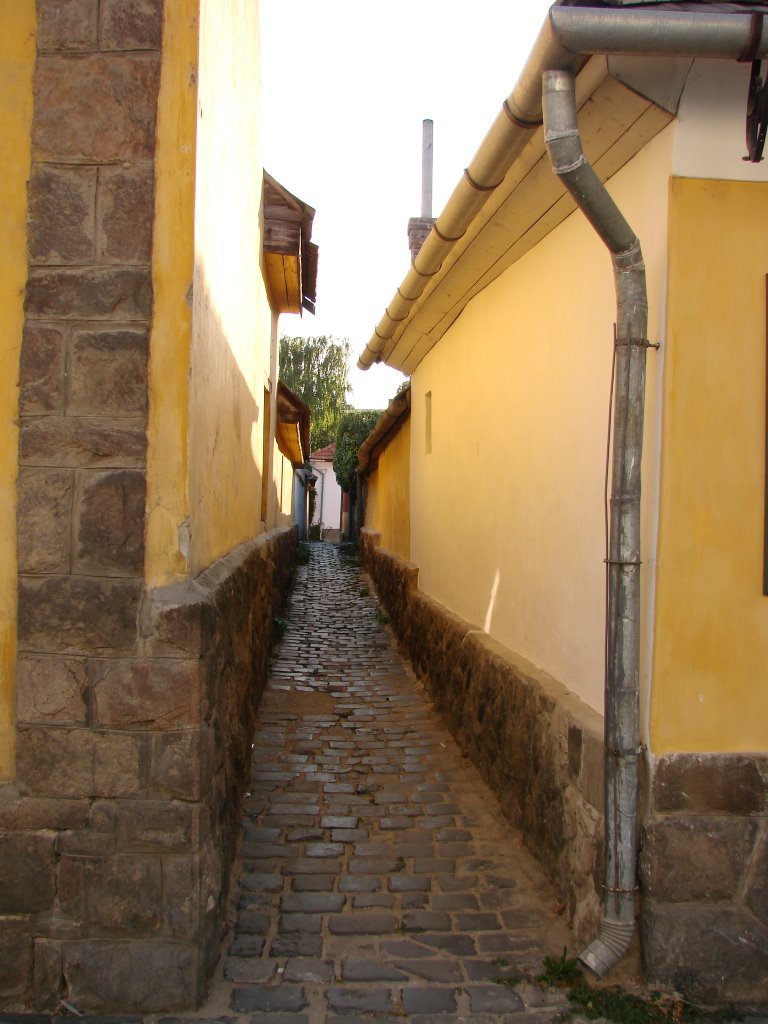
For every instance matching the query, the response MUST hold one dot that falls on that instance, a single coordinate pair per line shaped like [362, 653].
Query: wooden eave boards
[615, 123]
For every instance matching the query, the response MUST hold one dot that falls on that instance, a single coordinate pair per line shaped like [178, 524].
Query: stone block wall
[135, 708]
[118, 832]
[704, 877]
[83, 372]
[538, 747]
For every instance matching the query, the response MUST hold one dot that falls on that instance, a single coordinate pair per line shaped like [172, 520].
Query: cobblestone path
[378, 880]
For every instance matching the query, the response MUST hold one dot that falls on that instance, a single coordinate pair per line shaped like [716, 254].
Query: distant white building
[328, 503]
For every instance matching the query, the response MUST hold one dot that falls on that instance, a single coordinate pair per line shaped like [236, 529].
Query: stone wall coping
[218, 571]
[193, 590]
[574, 707]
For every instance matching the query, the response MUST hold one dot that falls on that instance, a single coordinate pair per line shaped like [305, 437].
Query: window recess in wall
[428, 423]
[765, 455]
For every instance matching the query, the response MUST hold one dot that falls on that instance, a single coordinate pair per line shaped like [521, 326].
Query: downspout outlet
[608, 948]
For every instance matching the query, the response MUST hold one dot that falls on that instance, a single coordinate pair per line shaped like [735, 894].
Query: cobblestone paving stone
[378, 881]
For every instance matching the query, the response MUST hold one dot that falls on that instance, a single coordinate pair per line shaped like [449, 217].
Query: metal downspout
[622, 683]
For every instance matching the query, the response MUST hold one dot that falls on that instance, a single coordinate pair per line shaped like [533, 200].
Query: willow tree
[316, 369]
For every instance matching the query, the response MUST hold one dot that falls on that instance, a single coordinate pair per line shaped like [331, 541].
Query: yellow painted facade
[283, 482]
[710, 690]
[213, 364]
[167, 540]
[387, 506]
[233, 353]
[509, 423]
[17, 63]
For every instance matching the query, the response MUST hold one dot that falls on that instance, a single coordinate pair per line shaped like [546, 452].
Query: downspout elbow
[563, 142]
[608, 948]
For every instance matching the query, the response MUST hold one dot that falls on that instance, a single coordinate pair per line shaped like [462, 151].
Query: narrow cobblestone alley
[377, 879]
[377, 874]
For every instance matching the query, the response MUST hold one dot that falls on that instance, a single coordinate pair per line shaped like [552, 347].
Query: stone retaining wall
[539, 748]
[703, 862]
[704, 875]
[117, 835]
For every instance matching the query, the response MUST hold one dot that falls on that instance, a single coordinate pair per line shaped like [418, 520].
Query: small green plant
[350, 552]
[314, 532]
[381, 616]
[302, 553]
[559, 971]
[616, 1004]
[279, 626]
[509, 981]
[363, 591]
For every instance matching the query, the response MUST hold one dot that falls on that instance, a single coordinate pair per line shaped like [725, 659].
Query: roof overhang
[632, 63]
[290, 258]
[292, 428]
[616, 123]
[386, 427]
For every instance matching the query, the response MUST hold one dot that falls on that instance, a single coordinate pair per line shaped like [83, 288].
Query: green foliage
[616, 1004]
[382, 617]
[354, 426]
[279, 626]
[316, 369]
[508, 980]
[302, 553]
[559, 971]
[349, 553]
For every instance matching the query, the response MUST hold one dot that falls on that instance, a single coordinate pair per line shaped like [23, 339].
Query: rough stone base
[117, 835]
[538, 747]
[704, 847]
[704, 874]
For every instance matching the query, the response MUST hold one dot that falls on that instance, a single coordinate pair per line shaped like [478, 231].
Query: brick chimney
[419, 227]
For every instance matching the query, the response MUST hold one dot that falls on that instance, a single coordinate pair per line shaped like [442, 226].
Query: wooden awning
[292, 430]
[290, 257]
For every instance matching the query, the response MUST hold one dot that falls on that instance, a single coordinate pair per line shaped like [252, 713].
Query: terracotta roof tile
[326, 454]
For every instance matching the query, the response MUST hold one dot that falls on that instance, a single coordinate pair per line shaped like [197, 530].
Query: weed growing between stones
[381, 616]
[510, 981]
[559, 971]
[623, 1007]
[349, 552]
[279, 626]
[614, 1003]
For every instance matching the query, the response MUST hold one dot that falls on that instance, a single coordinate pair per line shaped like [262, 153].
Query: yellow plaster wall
[232, 353]
[507, 510]
[387, 508]
[167, 542]
[710, 690]
[17, 63]
[283, 477]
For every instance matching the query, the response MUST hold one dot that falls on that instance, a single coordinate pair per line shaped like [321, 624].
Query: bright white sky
[345, 87]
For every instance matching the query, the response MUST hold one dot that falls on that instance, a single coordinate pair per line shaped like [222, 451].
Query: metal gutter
[568, 37]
